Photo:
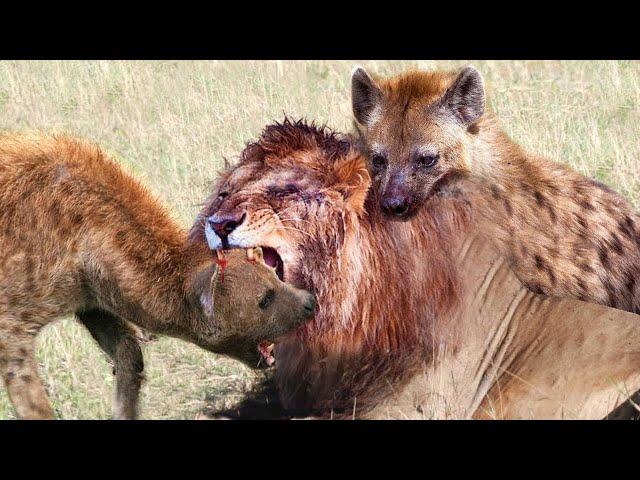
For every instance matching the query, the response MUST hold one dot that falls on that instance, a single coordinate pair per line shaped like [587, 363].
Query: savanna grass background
[171, 123]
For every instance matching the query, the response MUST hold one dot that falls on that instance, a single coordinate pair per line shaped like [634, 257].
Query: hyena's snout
[309, 306]
[395, 206]
[305, 305]
[396, 199]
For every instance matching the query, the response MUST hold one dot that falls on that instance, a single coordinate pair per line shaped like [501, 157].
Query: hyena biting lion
[429, 133]
[80, 236]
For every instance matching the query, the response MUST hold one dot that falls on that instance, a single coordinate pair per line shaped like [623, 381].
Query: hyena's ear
[465, 98]
[205, 282]
[352, 181]
[365, 95]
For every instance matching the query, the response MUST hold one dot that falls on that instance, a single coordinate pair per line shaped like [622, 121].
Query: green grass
[173, 122]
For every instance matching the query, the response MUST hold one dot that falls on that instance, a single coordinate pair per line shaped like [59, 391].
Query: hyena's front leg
[120, 342]
[20, 370]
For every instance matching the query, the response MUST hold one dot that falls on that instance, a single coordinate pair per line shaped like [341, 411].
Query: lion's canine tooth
[250, 255]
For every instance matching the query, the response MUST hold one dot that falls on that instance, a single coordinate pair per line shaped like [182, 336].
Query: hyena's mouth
[266, 352]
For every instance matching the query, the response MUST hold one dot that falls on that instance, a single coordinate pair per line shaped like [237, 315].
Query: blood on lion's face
[271, 196]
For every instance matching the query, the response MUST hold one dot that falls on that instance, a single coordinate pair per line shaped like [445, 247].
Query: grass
[173, 122]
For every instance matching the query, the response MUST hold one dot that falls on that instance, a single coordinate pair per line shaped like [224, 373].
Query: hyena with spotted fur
[80, 236]
[428, 133]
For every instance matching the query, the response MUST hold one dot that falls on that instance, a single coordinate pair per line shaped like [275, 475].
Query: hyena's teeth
[266, 350]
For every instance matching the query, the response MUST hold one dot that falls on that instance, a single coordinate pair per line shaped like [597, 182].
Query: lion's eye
[277, 191]
[223, 195]
[378, 162]
[426, 161]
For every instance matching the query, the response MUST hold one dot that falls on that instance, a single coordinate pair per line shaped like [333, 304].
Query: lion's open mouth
[270, 256]
[273, 259]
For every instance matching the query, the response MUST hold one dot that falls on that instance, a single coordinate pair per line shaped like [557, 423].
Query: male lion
[405, 308]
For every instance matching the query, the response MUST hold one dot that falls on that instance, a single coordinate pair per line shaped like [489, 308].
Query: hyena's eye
[426, 160]
[223, 195]
[378, 163]
[267, 299]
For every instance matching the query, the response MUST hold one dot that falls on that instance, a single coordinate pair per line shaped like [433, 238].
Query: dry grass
[173, 122]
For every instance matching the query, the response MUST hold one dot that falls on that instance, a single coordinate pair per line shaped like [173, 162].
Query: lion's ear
[352, 181]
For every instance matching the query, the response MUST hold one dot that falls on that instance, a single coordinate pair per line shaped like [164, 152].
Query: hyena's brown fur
[81, 236]
[566, 235]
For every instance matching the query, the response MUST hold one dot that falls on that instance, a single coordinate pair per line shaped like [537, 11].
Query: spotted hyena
[429, 133]
[80, 236]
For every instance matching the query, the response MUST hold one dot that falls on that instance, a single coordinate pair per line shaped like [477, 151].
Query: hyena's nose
[395, 206]
[224, 225]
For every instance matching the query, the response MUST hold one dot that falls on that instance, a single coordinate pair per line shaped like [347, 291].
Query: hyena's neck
[522, 182]
[166, 298]
[193, 289]
[493, 157]
[563, 233]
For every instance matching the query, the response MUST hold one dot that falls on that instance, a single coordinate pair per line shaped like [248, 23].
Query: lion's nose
[224, 225]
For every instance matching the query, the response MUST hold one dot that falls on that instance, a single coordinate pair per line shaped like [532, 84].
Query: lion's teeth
[220, 254]
[250, 254]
